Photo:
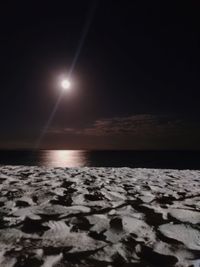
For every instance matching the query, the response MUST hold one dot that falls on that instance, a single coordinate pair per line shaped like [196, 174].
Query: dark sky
[135, 84]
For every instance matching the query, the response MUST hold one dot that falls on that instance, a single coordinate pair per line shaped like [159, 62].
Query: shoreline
[100, 216]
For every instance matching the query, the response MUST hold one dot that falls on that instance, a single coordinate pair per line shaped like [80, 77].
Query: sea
[87, 158]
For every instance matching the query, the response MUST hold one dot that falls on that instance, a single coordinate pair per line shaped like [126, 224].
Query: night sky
[135, 84]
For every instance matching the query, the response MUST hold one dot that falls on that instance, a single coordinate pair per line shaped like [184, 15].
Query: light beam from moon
[48, 123]
[65, 83]
[85, 31]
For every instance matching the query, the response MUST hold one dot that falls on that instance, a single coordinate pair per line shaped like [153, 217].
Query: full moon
[65, 84]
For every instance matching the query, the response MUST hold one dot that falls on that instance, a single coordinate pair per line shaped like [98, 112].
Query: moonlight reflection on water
[63, 158]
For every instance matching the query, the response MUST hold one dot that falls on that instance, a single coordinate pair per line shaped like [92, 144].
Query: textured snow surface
[99, 217]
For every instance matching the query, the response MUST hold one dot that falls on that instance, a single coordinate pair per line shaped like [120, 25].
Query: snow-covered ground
[99, 217]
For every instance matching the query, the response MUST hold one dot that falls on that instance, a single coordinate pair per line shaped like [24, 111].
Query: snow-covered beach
[99, 217]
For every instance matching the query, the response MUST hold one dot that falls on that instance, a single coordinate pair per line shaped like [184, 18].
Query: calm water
[79, 158]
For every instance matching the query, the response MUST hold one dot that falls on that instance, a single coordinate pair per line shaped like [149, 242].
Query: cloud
[138, 131]
[135, 125]
[142, 124]
[60, 130]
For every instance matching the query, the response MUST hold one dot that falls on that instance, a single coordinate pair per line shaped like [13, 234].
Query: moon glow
[65, 84]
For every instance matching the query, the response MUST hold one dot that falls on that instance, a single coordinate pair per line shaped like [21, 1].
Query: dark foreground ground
[99, 217]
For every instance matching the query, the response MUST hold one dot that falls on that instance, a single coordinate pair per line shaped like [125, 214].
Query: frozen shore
[99, 217]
